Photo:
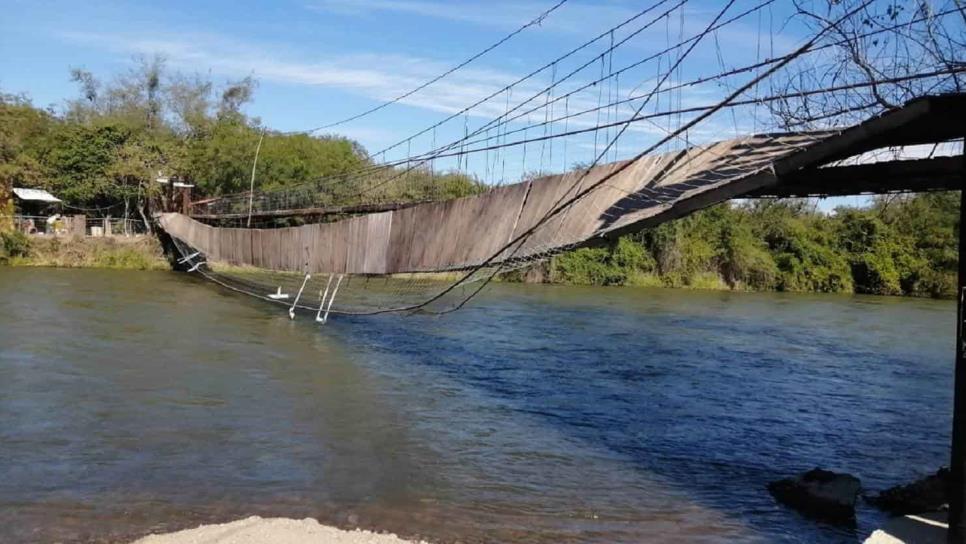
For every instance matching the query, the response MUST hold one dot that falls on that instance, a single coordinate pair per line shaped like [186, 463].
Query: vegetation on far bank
[105, 148]
[137, 253]
[900, 245]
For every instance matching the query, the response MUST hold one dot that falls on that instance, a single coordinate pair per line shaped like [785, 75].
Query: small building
[33, 208]
[39, 200]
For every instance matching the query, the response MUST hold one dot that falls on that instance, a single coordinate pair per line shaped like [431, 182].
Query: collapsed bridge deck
[464, 233]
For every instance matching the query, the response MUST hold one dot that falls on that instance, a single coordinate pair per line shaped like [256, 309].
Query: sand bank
[256, 530]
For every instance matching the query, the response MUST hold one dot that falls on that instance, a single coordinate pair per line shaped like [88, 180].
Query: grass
[136, 253]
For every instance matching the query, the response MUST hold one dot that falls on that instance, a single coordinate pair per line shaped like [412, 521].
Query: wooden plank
[461, 233]
[274, 250]
[377, 242]
[257, 255]
[356, 244]
[404, 224]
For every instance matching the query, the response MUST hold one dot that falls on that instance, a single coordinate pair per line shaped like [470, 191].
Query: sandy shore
[256, 530]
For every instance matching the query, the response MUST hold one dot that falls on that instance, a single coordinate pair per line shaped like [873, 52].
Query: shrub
[13, 244]
[621, 263]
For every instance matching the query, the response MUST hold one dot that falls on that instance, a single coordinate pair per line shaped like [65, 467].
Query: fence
[77, 225]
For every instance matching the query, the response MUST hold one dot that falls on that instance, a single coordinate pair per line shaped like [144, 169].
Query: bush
[587, 266]
[744, 261]
[622, 263]
[12, 245]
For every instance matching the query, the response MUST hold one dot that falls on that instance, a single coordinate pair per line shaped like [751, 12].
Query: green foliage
[803, 248]
[899, 246]
[285, 158]
[111, 143]
[124, 258]
[132, 254]
[743, 259]
[926, 226]
[21, 125]
[621, 263]
[13, 244]
[6, 206]
[873, 249]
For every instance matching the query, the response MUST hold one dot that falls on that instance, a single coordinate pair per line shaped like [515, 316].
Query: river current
[137, 402]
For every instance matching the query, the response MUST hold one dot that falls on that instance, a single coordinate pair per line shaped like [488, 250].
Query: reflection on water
[133, 402]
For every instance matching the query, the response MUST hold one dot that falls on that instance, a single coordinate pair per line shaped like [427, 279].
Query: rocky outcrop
[925, 495]
[819, 493]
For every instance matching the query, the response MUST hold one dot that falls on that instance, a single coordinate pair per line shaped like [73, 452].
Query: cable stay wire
[483, 272]
[530, 75]
[536, 21]
[518, 81]
[542, 92]
[427, 156]
[414, 162]
[691, 109]
[582, 193]
[439, 152]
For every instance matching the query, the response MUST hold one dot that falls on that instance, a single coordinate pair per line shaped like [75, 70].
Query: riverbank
[257, 530]
[145, 253]
[130, 253]
[559, 270]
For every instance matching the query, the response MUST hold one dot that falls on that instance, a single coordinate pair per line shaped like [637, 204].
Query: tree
[235, 95]
[120, 134]
[21, 126]
[868, 56]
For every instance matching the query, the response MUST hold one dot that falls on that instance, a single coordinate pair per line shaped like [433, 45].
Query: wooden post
[78, 225]
[957, 462]
[186, 200]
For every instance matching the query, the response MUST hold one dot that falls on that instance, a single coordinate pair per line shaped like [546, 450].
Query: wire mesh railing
[76, 225]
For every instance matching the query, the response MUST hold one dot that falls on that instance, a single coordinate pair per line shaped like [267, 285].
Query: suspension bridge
[515, 225]
[837, 112]
[395, 242]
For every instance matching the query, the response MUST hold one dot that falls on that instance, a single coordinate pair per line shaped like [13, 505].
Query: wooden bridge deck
[463, 233]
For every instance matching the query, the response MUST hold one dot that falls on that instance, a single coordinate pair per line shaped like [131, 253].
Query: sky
[318, 61]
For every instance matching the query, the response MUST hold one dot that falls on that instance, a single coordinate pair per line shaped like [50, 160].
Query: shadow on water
[715, 393]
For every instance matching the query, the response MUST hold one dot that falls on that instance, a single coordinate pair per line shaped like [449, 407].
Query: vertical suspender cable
[251, 189]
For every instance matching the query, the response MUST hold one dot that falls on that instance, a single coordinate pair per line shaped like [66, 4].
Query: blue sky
[322, 60]
[319, 60]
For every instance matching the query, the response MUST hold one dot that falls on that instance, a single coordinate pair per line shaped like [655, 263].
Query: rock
[925, 495]
[819, 493]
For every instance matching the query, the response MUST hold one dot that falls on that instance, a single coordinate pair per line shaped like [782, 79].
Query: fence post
[78, 225]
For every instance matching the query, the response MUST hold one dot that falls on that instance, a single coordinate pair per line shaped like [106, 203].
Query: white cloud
[378, 77]
[382, 77]
[571, 17]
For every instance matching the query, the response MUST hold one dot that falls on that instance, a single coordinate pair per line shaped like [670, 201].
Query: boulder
[819, 493]
[926, 495]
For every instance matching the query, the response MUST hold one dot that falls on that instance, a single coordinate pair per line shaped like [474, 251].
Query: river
[133, 402]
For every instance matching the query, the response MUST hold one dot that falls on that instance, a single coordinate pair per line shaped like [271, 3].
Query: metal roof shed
[34, 195]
